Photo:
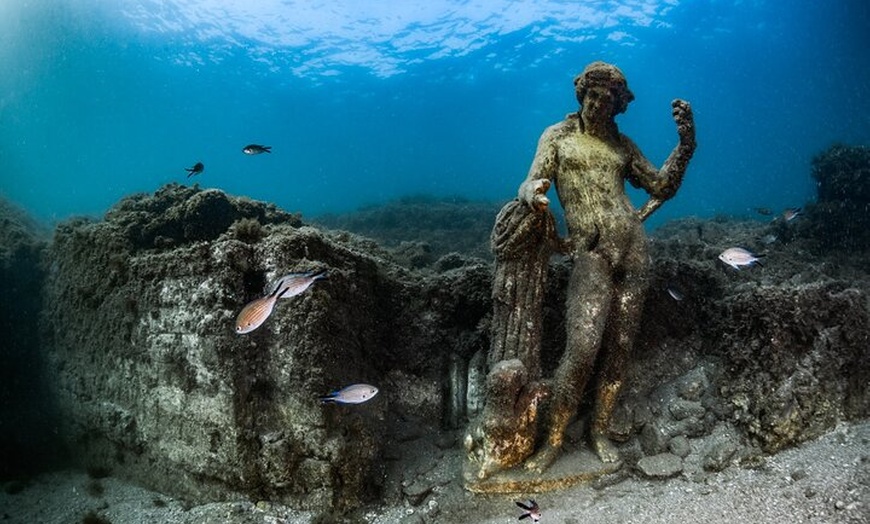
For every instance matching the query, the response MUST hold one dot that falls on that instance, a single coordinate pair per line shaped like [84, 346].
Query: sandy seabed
[823, 481]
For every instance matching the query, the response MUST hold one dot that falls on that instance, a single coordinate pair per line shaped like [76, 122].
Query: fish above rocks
[355, 394]
[738, 257]
[296, 283]
[532, 511]
[256, 149]
[195, 170]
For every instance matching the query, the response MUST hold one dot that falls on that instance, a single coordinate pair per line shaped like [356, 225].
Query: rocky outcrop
[156, 386]
[747, 362]
[840, 217]
[177, 215]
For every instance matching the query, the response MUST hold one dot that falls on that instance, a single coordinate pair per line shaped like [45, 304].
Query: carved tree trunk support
[522, 240]
[504, 436]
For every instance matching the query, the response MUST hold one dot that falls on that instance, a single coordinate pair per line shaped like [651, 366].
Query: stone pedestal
[571, 468]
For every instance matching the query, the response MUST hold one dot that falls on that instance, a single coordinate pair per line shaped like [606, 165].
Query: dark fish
[675, 293]
[532, 511]
[355, 394]
[763, 211]
[256, 149]
[195, 170]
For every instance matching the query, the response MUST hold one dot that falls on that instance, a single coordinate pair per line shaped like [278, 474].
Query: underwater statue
[589, 161]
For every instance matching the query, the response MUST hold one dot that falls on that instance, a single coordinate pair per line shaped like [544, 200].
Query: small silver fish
[769, 238]
[675, 293]
[791, 213]
[737, 256]
[355, 394]
[256, 149]
[532, 511]
[296, 283]
[257, 311]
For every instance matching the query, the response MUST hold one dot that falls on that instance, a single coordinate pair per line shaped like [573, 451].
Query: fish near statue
[588, 160]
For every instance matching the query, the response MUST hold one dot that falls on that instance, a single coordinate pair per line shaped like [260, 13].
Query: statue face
[599, 103]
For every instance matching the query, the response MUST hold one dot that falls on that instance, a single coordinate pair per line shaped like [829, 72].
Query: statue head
[601, 74]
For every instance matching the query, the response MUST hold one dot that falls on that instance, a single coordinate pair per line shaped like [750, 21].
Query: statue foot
[604, 448]
[543, 459]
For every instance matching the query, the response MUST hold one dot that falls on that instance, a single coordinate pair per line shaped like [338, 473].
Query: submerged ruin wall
[747, 362]
[156, 386]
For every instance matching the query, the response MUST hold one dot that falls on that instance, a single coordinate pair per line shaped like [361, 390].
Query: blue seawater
[364, 102]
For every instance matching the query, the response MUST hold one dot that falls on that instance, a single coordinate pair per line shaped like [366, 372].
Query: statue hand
[685, 120]
[532, 193]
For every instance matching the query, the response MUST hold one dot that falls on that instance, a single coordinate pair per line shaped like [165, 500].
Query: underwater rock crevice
[28, 413]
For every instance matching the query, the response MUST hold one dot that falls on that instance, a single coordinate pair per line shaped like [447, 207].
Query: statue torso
[590, 180]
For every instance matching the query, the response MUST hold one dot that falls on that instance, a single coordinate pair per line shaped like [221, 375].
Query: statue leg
[588, 300]
[619, 337]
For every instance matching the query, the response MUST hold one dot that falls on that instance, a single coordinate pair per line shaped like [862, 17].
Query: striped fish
[257, 311]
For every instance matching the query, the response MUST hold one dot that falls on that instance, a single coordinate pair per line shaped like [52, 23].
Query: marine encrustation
[589, 161]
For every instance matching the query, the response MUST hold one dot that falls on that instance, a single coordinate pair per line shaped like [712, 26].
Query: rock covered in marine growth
[745, 362]
[156, 386]
[843, 174]
[769, 356]
[177, 215]
[840, 218]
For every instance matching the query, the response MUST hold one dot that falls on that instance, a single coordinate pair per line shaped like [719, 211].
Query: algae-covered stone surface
[841, 211]
[156, 386]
